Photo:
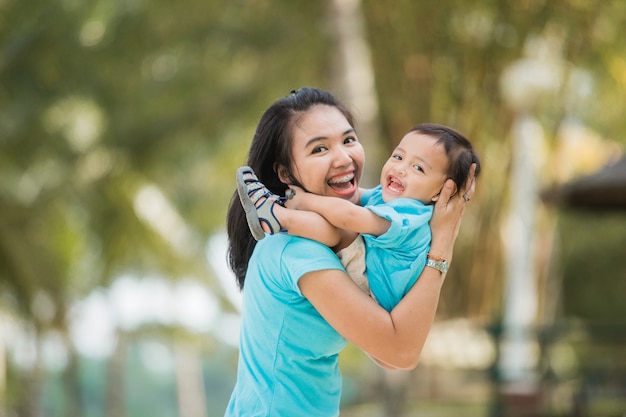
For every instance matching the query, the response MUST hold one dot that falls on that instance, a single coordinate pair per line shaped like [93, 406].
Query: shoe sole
[254, 223]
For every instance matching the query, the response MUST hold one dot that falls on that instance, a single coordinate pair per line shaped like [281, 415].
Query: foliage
[594, 276]
[111, 108]
[103, 98]
[443, 62]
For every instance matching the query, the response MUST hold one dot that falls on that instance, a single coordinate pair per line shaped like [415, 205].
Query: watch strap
[439, 264]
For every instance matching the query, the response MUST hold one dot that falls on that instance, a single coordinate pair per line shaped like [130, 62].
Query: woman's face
[326, 153]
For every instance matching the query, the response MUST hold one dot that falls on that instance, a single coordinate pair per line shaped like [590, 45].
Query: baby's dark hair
[459, 149]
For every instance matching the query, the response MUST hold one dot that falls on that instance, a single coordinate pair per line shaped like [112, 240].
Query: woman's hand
[447, 216]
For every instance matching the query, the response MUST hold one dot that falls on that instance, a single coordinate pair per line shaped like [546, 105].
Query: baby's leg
[352, 258]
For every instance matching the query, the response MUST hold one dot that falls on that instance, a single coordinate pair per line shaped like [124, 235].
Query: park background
[122, 123]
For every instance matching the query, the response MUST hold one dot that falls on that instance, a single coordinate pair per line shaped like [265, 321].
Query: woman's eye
[319, 149]
[349, 139]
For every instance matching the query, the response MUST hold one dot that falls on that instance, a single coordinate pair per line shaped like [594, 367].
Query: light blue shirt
[288, 352]
[395, 259]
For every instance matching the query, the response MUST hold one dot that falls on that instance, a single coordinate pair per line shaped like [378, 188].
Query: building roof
[602, 190]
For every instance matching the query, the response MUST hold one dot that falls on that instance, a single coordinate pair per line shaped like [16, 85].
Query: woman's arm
[395, 338]
[341, 213]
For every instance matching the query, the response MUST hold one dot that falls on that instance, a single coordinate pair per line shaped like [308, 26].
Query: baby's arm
[308, 224]
[342, 214]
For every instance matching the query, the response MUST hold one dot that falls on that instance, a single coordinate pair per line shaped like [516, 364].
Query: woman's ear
[283, 173]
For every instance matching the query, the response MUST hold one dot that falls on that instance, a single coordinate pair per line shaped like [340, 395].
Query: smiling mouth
[394, 186]
[342, 183]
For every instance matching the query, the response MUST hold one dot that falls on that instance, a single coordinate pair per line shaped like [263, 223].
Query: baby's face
[416, 169]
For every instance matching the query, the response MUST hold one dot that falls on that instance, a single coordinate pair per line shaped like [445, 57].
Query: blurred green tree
[122, 123]
[113, 111]
[443, 63]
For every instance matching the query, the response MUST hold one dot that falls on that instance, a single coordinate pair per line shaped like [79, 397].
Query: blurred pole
[525, 85]
[518, 349]
[354, 79]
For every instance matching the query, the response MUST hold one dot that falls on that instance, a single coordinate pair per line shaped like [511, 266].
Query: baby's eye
[418, 168]
[397, 157]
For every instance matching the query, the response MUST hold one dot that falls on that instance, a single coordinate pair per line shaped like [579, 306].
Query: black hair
[460, 152]
[271, 147]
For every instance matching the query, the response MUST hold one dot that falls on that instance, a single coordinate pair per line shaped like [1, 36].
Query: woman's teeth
[341, 180]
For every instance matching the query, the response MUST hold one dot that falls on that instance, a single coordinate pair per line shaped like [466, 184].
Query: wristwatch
[439, 264]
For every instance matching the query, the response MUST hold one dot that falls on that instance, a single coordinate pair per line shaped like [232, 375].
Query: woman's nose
[342, 158]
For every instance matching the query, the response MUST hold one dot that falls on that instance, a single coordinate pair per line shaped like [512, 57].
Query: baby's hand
[294, 195]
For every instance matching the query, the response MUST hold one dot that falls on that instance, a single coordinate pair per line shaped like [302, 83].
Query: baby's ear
[454, 191]
[435, 198]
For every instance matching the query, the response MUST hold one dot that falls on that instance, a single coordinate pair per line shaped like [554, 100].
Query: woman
[299, 305]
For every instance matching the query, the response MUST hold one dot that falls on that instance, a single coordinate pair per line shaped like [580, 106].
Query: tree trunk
[114, 403]
[354, 78]
[3, 368]
[70, 381]
[189, 381]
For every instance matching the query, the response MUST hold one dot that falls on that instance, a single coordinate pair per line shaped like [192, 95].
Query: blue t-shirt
[395, 259]
[288, 352]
